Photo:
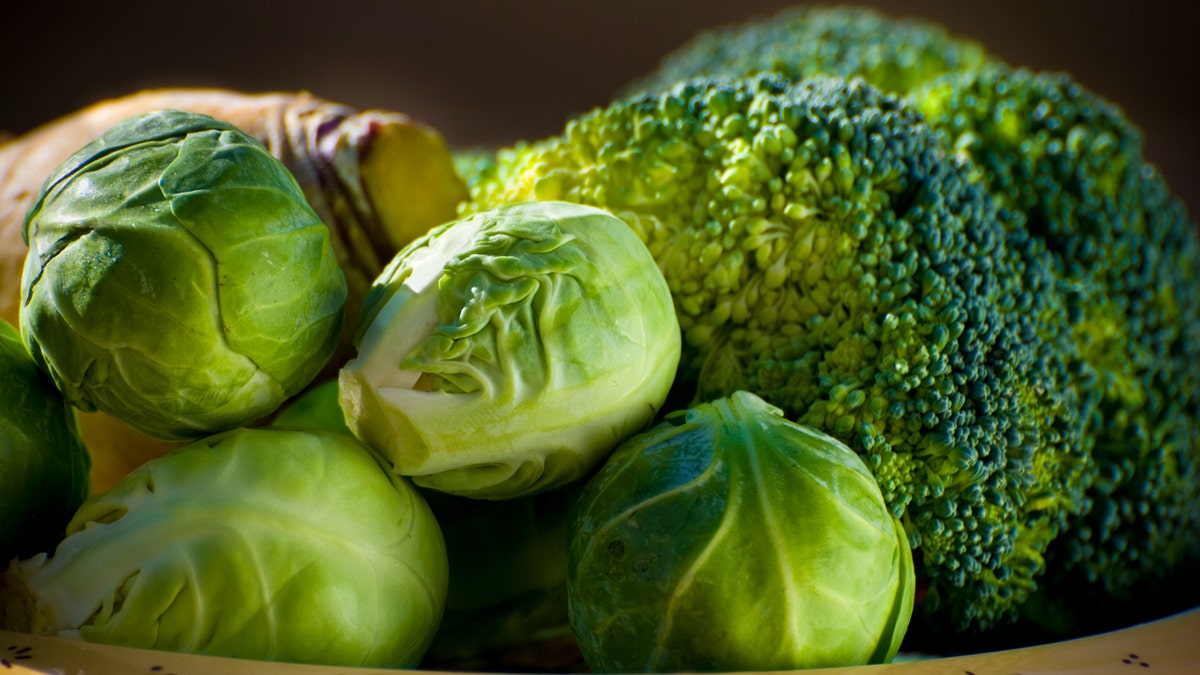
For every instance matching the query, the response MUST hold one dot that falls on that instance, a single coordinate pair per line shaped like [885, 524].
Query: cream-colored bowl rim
[1168, 645]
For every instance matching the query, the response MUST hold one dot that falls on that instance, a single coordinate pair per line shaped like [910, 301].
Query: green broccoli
[1128, 261]
[1069, 171]
[824, 251]
[895, 55]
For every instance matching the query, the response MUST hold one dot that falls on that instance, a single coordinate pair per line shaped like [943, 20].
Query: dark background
[489, 73]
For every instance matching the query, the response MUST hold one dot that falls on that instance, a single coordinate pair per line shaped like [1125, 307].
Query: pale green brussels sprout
[265, 544]
[508, 352]
[43, 463]
[177, 279]
[728, 538]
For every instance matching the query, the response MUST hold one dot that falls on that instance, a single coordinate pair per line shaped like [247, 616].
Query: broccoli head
[825, 252]
[1127, 259]
[893, 54]
[1068, 170]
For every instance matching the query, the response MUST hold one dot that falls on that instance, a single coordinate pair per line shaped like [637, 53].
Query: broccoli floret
[894, 54]
[1128, 262]
[826, 252]
[471, 163]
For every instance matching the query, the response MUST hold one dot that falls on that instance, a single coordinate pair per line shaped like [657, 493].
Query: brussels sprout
[508, 352]
[508, 580]
[728, 539]
[43, 463]
[264, 544]
[316, 408]
[177, 278]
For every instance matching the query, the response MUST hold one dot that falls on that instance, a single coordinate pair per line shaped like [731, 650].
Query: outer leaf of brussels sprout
[43, 464]
[317, 408]
[731, 539]
[506, 353]
[177, 278]
[263, 544]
